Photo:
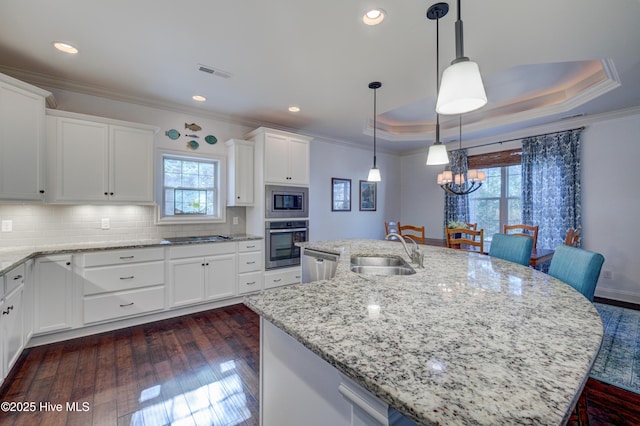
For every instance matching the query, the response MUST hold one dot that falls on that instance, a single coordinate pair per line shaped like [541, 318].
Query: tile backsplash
[35, 225]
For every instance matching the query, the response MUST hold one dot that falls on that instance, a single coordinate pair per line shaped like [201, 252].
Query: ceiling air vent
[214, 71]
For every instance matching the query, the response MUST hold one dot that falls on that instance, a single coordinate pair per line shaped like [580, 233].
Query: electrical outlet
[607, 274]
[7, 225]
[235, 220]
[105, 223]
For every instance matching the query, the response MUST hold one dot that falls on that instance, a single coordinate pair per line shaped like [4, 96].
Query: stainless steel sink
[380, 265]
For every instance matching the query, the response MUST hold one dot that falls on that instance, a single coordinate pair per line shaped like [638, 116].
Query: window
[499, 200]
[190, 189]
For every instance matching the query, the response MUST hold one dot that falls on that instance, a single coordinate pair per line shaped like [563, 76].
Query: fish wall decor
[193, 127]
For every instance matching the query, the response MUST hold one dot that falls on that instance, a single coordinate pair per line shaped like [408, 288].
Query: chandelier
[458, 180]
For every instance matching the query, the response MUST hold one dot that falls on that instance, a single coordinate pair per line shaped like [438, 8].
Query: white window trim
[222, 190]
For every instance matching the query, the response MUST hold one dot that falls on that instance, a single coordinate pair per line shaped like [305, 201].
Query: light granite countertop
[13, 256]
[467, 340]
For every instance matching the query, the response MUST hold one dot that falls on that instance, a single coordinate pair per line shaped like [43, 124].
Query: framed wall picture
[368, 195]
[340, 195]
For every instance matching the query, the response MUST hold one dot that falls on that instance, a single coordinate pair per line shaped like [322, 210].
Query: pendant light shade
[374, 173]
[437, 154]
[462, 89]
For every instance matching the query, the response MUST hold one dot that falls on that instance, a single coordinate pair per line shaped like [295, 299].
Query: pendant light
[437, 154]
[374, 173]
[462, 89]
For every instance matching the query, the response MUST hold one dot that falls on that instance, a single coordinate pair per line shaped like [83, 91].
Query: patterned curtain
[551, 190]
[456, 207]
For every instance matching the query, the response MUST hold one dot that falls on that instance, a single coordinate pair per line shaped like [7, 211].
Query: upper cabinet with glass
[22, 136]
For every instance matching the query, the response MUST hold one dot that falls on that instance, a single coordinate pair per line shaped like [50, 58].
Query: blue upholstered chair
[514, 248]
[577, 267]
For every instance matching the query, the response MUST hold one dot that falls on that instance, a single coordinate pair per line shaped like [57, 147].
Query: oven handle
[282, 231]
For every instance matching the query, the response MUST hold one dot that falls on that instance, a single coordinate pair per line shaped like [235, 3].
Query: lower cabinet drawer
[119, 278]
[282, 277]
[123, 304]
[248, 283]
[248, 262]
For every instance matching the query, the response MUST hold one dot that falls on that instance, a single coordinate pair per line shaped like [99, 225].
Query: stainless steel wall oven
[280, 239]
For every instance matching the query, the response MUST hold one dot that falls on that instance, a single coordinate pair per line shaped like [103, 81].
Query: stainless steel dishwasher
[318, 265]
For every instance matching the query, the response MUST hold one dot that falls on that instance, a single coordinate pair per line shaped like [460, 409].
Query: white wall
[611, 203]
[329, 159]
[422, 200]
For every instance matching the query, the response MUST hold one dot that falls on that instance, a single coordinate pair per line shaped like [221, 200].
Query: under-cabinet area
[57, 296]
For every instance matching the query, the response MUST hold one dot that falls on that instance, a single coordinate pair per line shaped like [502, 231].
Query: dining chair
[416, 233]
[514, 248]
[577, 267]
[465, 239]
[530, 231]
[473, 226]
[573, 237]
[391, 227]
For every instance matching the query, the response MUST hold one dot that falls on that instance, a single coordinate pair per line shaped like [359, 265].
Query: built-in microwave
[283, 202]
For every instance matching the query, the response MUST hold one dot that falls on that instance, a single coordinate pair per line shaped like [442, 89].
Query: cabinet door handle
[17, 277]
[106, 193]
[127, 278]
[68, 263]
[126, 257]
[42, 191]
[127, 304]
[111, 193]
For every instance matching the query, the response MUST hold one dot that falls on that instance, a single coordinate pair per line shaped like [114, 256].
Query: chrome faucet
[415, 254]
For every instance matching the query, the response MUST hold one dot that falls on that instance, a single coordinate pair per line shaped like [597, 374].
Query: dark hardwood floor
[200, 369]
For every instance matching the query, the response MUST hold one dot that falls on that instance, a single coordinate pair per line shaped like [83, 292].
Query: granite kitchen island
[466, 340]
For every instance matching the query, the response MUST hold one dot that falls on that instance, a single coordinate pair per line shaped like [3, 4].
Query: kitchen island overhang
[467, 339]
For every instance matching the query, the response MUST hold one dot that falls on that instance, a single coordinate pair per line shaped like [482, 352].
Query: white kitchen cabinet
[282, 276]
[241, 173]
[96, 160]
[201, 273]
[250, 266]
[122, 283]
[12, 327]
[53, 293]
[22, 136]
[285, 156]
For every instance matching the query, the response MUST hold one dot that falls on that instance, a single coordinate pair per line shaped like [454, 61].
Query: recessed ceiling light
[64, 47]
[199, 98]
[294, 109]
[373, 17]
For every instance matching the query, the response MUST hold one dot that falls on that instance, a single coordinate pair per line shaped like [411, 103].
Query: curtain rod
[525, 137]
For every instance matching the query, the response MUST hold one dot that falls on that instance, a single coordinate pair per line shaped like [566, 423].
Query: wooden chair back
[473, 226]
[573, 237]
[465, 239]
[524, 230]
[416, 233]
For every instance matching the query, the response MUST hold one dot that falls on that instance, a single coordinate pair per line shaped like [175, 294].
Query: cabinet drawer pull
[127, 278]
[251, 283]
[253, 246]
[278, 280]
[126, 257]
[17, 277]
[125, 305]
[251, 262]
